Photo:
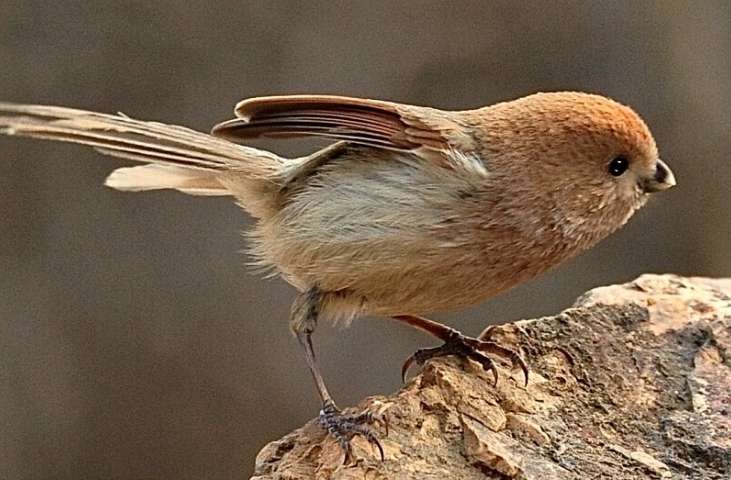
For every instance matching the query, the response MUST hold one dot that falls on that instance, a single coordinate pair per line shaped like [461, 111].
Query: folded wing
[373, 123]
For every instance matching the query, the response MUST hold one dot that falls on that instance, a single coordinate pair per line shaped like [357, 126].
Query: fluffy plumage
[415, 210]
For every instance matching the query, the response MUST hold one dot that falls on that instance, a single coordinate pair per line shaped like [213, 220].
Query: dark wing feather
[367, 122]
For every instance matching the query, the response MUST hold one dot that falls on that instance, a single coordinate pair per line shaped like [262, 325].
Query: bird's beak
[662, 179]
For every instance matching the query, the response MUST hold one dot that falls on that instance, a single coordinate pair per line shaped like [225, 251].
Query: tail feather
[137, 140]
[179, 158]
[157, 177]
[120, 133]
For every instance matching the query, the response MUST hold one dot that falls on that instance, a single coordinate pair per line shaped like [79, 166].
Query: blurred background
[134, 343]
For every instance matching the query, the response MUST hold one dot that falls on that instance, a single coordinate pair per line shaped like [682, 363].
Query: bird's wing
[373, 123]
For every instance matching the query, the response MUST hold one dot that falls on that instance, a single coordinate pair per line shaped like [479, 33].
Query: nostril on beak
[661, 172]
[662, 179]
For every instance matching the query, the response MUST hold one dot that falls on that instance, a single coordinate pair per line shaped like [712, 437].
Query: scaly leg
[343, 428]
[455, 343]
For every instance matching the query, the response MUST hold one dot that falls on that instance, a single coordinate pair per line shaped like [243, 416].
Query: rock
[632, 382]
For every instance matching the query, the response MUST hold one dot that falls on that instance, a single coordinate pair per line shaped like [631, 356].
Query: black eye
[618, 165]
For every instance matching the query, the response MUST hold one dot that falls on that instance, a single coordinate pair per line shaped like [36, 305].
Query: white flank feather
[157, 177]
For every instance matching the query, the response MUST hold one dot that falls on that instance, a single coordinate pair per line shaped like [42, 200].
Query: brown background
[133, 343]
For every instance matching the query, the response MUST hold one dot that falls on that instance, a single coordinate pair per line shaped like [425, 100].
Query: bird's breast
[399, 239]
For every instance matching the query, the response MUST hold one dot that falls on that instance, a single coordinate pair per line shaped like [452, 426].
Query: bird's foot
[344, 427]
[475, 349]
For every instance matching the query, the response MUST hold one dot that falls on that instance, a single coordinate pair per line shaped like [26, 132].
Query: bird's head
[592, 160]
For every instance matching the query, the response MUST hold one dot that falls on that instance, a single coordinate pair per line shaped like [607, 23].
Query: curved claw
[380, 448]
[467, 347]
[381, 420]
[370, 417]
[523, 367]
[515, 359]
[405, 367]
[343, 427]
[373, 440]
[420, 357]
[487, 365]
[369, 436]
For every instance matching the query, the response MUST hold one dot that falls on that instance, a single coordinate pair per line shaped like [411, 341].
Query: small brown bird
[414, 210]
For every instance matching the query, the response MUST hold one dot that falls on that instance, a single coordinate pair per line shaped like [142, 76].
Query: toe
[516, 361]
[487, 364]
[368, 434]
[342, 428]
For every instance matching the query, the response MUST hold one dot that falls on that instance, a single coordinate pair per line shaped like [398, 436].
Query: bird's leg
[341, 427]
[455, 343]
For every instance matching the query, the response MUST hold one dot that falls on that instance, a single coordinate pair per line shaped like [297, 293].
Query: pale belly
[389, 273]
[396, 240]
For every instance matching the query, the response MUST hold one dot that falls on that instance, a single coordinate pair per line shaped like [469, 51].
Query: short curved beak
[662, 179]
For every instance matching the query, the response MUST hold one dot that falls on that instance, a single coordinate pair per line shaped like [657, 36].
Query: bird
[408, 210]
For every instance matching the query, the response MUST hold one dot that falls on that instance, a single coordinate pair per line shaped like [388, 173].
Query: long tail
[178, 158]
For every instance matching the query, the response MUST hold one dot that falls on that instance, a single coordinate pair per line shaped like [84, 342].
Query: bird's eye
[618, 165]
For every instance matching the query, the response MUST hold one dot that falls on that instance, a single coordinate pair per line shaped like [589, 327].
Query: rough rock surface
[633, 382]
